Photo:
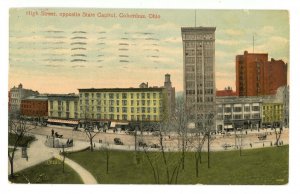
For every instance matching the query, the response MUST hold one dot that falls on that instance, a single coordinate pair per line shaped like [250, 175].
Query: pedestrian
[251, 145]
[52, 132]
[271, 144]
[263, 144]
[246, 132]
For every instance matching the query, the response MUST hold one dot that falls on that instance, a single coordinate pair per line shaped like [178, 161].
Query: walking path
[38, 152]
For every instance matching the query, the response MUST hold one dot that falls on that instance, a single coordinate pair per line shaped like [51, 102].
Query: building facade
[63, 108]
[272, 114]
[123, 104]
[238, 112]
[199, 70]
[35, 107]
[16, 95]
[256, 76]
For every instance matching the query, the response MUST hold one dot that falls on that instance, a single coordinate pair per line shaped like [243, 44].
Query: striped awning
[63, 121]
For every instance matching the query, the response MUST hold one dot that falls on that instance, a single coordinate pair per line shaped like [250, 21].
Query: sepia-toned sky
[56, 54]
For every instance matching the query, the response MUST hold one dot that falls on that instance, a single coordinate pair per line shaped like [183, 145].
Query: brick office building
[256, 76]
[35, 107]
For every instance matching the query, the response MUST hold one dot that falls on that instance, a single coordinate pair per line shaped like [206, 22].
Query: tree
[89, 131]
[169, 167]
[18, 127]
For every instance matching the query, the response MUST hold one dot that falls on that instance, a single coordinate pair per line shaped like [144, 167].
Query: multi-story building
[199, 70]
[234, 111]
[35, 107]
[63, 109]
[256, 76]
[272, 114]
[16, 95]
[123, 104]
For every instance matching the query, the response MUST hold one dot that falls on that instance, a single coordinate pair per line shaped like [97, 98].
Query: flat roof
[200, 28]
[120, 89]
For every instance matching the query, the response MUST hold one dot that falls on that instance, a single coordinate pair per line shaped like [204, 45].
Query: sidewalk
[38, 152]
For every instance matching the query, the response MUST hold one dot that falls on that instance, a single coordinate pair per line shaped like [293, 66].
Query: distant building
[171, 94]
[199, 70]
[16, 95]
[35, 107]
[226, 92]
[256, 76]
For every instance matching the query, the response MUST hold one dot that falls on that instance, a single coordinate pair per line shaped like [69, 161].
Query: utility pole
[208, 151]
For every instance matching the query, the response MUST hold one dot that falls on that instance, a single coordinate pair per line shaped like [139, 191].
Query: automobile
[154, 145]
[142, 144]
[262, 137]
[226, 145]
[118, 141]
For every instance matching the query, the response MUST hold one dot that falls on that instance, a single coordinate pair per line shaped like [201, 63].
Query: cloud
[233, 32]
[229, 42]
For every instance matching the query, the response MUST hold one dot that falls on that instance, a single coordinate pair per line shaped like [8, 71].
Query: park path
[38, 152]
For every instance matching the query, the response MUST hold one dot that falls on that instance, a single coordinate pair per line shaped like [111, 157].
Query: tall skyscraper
[256, 76]
[199, 70]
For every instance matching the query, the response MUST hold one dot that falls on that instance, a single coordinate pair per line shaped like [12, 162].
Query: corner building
[199, 70]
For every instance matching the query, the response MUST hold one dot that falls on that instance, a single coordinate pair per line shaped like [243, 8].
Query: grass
[47, 172]
[26, 140]
[255, 167]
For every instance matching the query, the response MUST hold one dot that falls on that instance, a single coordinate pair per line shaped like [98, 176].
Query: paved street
[249, 140]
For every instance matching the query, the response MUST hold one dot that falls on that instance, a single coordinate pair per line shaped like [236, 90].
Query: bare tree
[18, 127]
[170, 167]
[89, 130]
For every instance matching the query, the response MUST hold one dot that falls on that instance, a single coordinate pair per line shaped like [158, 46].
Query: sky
[52, 53]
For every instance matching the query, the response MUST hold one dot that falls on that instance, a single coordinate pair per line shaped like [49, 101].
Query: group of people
[55, 134]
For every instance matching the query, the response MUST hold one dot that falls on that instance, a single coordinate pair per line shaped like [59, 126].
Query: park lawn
[26, 140]
[47, 172]
[255, 167]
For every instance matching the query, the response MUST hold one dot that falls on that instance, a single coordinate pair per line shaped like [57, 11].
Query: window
[124, 117]
[148, 102]
[111, 116]
[237, 109]
[98, 108]
[111, 95]
[124, 109]
[117, 95]
[154, 102]
[131, 103]
[131, 95]
[154, 110]
[154, 95]
[124, 102]
[143, 102]
[51, 104]
[111, 109]
[118, 109]
[148, 109]
[148, 95]
[98, 95]
[118, 102]
[138, 110]
[246, 108]
[124, 95]
[75, 106]
[86, 95]
[132, 117]
[255, 108]
[137, 95]
[143, 95]
[143, 109]
[227, 109]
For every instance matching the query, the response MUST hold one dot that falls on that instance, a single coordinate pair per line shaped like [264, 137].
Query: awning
[113, 124]
[63, 121]
[228, 126]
